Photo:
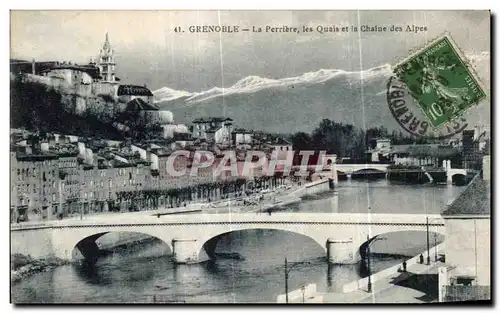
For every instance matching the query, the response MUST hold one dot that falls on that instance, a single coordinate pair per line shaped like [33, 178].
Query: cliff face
[36, 105]
[77, 99]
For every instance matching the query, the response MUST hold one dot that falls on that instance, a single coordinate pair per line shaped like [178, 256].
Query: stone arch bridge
[193, 237]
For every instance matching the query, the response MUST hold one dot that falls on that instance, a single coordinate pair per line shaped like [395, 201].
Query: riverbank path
[418, 285]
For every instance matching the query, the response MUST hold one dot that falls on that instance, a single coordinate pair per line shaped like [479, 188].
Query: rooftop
[137, 104]
[213, 129]
[281, 141]
[162, 152]
[36, 156]
[133, 90]
[242, 131]
[89, 69]
[475, 200]
[435, 150]
[212, 119]
[25, 66]
[182, 136]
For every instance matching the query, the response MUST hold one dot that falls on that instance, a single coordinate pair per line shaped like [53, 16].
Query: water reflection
[258, 276]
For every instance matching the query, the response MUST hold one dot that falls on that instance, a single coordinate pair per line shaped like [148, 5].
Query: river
[257, 274]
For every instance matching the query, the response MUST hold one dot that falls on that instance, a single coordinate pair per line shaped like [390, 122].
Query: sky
[148, 51]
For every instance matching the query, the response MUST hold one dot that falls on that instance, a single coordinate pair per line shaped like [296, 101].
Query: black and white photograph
[250, 156]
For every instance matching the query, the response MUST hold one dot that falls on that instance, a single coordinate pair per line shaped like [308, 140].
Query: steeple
[107, 61]
[107, 45]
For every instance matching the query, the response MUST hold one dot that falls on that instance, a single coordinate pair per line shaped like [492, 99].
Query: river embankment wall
[388, 272]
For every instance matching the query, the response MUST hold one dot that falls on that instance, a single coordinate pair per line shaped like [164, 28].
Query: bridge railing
[21, 226]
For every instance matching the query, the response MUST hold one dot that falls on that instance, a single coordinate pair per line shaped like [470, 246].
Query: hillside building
[217, 129]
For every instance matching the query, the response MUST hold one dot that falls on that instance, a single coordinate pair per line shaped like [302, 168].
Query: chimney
[33, 67]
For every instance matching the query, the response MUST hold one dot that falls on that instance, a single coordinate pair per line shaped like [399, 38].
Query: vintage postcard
[250, 157]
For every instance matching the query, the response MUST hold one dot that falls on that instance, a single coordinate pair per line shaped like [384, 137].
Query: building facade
[218, 129]
[467, 274]
[35, 186]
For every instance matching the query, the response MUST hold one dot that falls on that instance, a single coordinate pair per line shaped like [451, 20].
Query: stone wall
[38, 241]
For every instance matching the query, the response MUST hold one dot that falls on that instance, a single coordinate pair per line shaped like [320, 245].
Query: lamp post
[368, 265]
[428, 243]
[435, 248]
[287, 271]
[303, 289]
[286, 280]
[368, 261]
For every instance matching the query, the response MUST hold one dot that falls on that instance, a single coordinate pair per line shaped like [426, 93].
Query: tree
[301, 141]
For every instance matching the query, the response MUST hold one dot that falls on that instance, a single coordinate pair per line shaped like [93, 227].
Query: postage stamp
[413, 120]
[440, 81]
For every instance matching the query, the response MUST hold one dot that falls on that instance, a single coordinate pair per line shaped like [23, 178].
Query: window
[110, 183]
[85, 195]
[102, 184]
[91, 194]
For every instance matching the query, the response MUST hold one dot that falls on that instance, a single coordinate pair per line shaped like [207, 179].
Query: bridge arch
[341, 174]
[86, 243]
[207, 248]
[436, 237]
[366, 171]
[459, 179]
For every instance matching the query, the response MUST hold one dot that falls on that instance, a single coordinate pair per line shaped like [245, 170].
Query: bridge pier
[341, 251]
[188, 251]
[89, 250]
[449, 179]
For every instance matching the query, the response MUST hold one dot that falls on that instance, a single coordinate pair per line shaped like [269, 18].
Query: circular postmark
[412, 119]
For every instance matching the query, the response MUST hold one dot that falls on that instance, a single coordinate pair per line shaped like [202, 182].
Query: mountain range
[299, 103]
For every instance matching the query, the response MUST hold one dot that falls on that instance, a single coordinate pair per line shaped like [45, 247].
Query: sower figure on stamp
[451, 97]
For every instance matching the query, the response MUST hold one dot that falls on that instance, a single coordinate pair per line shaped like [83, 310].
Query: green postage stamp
[440, 81]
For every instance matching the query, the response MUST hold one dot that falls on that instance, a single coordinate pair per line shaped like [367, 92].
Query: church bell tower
[107, 62]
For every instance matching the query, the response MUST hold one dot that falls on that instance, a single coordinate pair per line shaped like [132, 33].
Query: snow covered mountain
[256, 83]
[167, 94]
[299, 103]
